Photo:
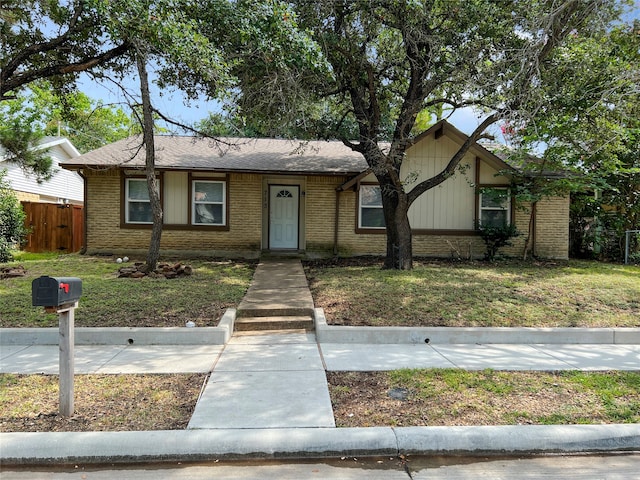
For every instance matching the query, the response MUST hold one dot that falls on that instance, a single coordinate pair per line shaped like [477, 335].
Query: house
[317, 198]
[63, 187]
[53, 208]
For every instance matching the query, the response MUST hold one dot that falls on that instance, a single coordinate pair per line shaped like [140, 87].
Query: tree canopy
[390, 60]
[590, 125]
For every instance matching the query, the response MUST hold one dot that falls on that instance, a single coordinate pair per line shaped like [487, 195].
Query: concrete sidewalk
[287, 351]
[267, 396]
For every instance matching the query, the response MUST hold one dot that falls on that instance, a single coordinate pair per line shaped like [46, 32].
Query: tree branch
[59, 69]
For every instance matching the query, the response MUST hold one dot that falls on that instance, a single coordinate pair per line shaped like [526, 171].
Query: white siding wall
[63, 185]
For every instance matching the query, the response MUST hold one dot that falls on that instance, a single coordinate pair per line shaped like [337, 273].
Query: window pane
[372, 218]
[209, 214]
[370, 196]
[138, 190]
[494, 218]
[208, 192]
[494, 199]
[140, 212]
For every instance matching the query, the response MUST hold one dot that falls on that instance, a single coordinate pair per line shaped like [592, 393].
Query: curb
[461, 335]
[247, 444]
[221, 334]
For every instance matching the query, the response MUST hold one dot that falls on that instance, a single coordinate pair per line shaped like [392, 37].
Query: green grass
[441, 293]
[109, 301]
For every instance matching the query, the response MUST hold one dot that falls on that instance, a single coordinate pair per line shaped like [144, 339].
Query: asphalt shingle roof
[234, 155]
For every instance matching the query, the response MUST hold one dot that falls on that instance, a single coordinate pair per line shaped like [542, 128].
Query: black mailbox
[55, 291]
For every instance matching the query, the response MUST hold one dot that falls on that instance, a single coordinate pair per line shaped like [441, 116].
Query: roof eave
[172, 168]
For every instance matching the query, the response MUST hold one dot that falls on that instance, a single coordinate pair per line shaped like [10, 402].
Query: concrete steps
[271, 323]
[277, 300]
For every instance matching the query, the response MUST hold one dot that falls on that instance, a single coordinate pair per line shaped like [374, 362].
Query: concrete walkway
[266, 381]
[267, 394]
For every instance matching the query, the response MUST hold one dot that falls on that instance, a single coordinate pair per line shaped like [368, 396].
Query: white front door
[283, 216]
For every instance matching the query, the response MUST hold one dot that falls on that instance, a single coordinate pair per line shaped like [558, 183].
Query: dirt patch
[29, 403]
[371, 399]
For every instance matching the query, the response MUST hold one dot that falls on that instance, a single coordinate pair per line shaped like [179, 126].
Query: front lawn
[108, 301]
[469, 294]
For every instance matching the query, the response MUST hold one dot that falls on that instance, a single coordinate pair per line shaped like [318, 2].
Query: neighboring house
[53, 208]
[315, 198]
[63, 187]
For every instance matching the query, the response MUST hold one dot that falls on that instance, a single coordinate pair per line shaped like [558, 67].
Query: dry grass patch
[29, 403]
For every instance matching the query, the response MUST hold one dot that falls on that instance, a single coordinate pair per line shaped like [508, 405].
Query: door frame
[274, 187]
[277, 181]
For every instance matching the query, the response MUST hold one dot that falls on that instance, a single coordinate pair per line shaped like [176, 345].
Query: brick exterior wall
[27, 197]
[104, 234]
[320, 213]
[552, 228]
[244, 236]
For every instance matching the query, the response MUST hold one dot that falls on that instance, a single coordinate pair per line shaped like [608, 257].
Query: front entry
[283, 216]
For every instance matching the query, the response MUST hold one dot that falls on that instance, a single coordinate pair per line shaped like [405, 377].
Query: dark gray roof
[528, 165]
[228, 155]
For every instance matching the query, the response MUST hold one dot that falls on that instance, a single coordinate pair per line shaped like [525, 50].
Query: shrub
[12, 230]
[497, 237]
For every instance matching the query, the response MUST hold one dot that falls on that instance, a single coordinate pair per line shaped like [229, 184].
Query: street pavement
[580, 467]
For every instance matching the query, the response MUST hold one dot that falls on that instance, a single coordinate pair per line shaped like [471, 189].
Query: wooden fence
[54, 227]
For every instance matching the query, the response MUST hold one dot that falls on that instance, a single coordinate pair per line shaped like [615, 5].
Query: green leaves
[12, 216]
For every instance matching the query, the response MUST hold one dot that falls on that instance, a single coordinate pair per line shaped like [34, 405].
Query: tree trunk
[153, 253]
[399, 245]
[528, 244]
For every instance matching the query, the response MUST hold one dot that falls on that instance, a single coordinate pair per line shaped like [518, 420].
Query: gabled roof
[229, 155]
[63, 142]
[445, 128]
[50, 142]
[251, 155]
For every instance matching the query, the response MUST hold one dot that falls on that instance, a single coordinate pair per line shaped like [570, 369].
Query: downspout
[534, 218]
[85, 189]
[336, 222]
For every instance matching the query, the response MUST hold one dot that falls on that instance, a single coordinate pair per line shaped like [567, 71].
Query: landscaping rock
[163, 270]
[12, 272]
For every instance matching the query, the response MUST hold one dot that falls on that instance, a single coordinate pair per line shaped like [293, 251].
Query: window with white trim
[370, 207]
[208, 202]
[495, 207]
[138, 205]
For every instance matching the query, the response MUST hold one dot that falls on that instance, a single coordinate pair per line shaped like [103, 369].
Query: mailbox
[55, 291]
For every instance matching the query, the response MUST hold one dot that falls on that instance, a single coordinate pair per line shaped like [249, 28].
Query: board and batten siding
[176, 198]
[450, 205]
